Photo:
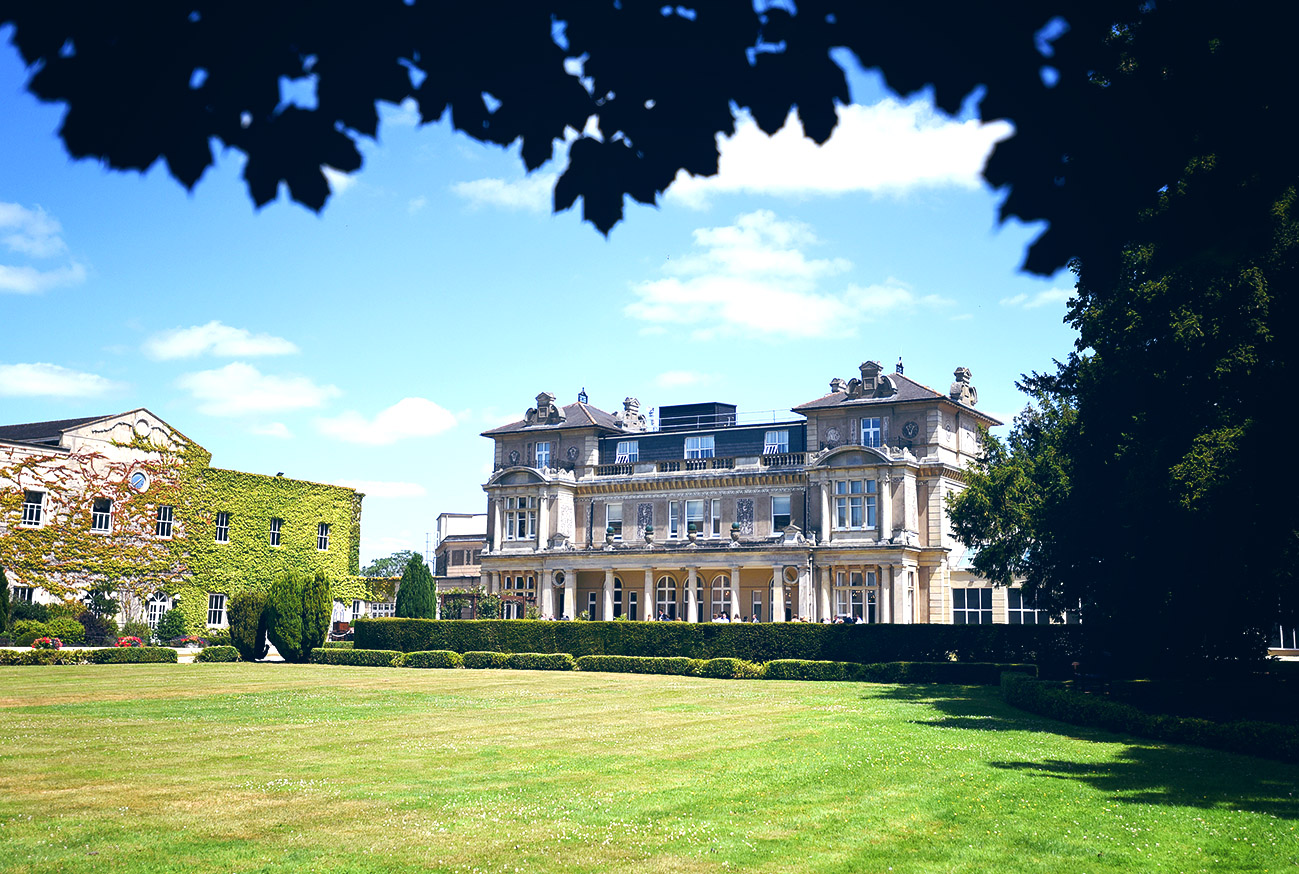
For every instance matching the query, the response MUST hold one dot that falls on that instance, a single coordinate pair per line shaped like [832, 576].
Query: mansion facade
[837, 512]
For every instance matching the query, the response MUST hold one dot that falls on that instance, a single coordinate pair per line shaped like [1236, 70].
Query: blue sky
[436, 295]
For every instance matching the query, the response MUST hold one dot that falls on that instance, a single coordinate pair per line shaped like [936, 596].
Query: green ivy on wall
[64, 556]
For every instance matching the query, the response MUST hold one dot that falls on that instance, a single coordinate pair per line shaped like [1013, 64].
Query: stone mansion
[839, 511]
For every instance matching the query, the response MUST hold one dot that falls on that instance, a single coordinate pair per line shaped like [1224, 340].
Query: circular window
[139, 481]
[142, 428]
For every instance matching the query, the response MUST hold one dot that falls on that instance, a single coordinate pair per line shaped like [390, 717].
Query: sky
[436, 294]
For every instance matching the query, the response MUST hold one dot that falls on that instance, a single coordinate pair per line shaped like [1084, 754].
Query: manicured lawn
[251, 768]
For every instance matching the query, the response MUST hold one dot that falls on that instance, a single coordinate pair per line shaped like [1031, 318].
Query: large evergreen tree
[247, 612]
[4, 601]
[297, 614]
[416, 597]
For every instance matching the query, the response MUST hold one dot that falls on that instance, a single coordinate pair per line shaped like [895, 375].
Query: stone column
[497, 522]
[902, 578]
[827, 520]
[806, 608]
[547, 605]
[485, 580]
[606, 609]
[543, 520]
[651, 608]
[885, 605]
[825, 591]
[777, 593]
[495, 587]
[910, 515]
[570, 593]
[885, 509]
[692, 595]
[735, 594]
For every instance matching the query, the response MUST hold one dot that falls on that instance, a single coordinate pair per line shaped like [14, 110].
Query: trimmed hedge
[1051, 647]
[1264, 739]
[481, 660]
[218, 654]
[616, 664]
[537, 661]
[729, 669]
[360, 658]
[960, 673]
[438, 658]
[45, 657]
[336, 644]
[133, 655]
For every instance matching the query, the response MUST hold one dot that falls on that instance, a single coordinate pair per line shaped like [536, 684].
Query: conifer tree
[415, 597]
[284, 616]
[317, 608]
[247, 612]
[4, 601]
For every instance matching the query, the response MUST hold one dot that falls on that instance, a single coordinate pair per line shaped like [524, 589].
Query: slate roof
[577, 415]
[908, 390]
[44, 433]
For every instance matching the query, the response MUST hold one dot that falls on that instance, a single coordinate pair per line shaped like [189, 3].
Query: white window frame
[789, 506]
[695, 515]
[222, 534]
[775, 443]
[322, 537]
[758, 599]
[855, 504]
[156, 607]
[542, 454]
[715, 518]
[856, 595]
[33, 510]
[276, 526]
[216, 610]
[963, 613]
[21, 593]
[628, 452]
[613, 519]
[701, 446]
[872, 431]
[163, 525]
[521, 517]
[674, 518]
[665, 591]
[1022, 609]
[101, 521]
[592, 605]
[721, 595]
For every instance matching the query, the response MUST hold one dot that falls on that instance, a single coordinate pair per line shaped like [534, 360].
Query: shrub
[70, 631]
[298, 612]
[219, 637]
[638, 664]
[98, 629]
[536, 661]
[416, 598]
[47, 643]
[964, 673]
[129, 641]
[4, 601]
[438, 658]
[54, 657]
[336, 644]
[29, 610]
[218, 654]
[132, 655]
[729, 669]
[27, 630]
[363, 658]
[247, 614]
[171, 626]
[137, 629]
[485, 660]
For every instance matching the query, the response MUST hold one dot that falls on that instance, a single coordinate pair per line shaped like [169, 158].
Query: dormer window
[543, 454]
[628, 452]
[871, 433]
[700, 447]
[775, 443]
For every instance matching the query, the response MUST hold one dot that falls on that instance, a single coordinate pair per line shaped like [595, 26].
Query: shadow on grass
[1144, 772]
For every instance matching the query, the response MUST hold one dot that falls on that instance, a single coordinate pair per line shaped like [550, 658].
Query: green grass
[276, 768]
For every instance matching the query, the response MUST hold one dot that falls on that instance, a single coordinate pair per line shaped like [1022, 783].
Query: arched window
[159, 604]
[855, 595]
[722, 595]
[667, 597]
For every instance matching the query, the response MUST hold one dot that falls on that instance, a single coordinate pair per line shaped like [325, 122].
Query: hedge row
[113, 655]
[365, 658]
[1054, 700]
[217, 654]
[1051, 647]
[961, 673]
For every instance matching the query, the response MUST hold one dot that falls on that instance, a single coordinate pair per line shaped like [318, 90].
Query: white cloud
[409, 417]
[890, 147]
[404, 114]
[381, 489]
[337, 179]
[34, 233]
[214, 338]
[278, 430]
[1043, 298]
[240, 388]
[681, 378]
[753, 278]
[50, 380]
[532, 193]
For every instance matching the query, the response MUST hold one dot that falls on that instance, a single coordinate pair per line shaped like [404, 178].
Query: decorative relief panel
[644, 516]
[744, 515]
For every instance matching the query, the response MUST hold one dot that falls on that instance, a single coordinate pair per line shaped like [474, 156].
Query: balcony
[784, 459]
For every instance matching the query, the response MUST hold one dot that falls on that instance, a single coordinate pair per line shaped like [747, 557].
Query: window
[100, 513]
[855, 596]
[699, 447]
[667, 597]
[617, 597]
[276, 524]
[543, 455]
[870, 432]
[854, 504]
[32, 504]
[216, 610]
[478, 556]
[520, 518]
[358, 608]
[694, 516]
[971, 606]
[613, 520]
[592, 606]
[714, 518]
[775, 443]
[162, 527]
[780, 517]
[322, 536]
[381, 609]
[20, 593]
[1021, 609]
[632, 614]
[158, 606]
[628, 452]
[674, 518]
[223, 528]
[757, 604]
[722, 596]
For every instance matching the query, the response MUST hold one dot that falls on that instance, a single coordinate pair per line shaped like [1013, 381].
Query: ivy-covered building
[129, 500]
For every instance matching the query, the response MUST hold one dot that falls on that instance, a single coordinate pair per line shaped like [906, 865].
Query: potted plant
[649, 534]
[608, 534]
[692, 532]
[735, 531]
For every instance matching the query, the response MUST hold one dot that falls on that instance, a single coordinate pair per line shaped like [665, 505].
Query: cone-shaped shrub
[415, 596]
[247, 612]
[4, 601]
[297, 615]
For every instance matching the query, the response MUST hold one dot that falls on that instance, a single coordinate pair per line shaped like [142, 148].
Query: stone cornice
[692, 482]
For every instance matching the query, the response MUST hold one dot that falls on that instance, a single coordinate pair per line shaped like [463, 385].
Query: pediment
[853, 456]
[518, 476]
